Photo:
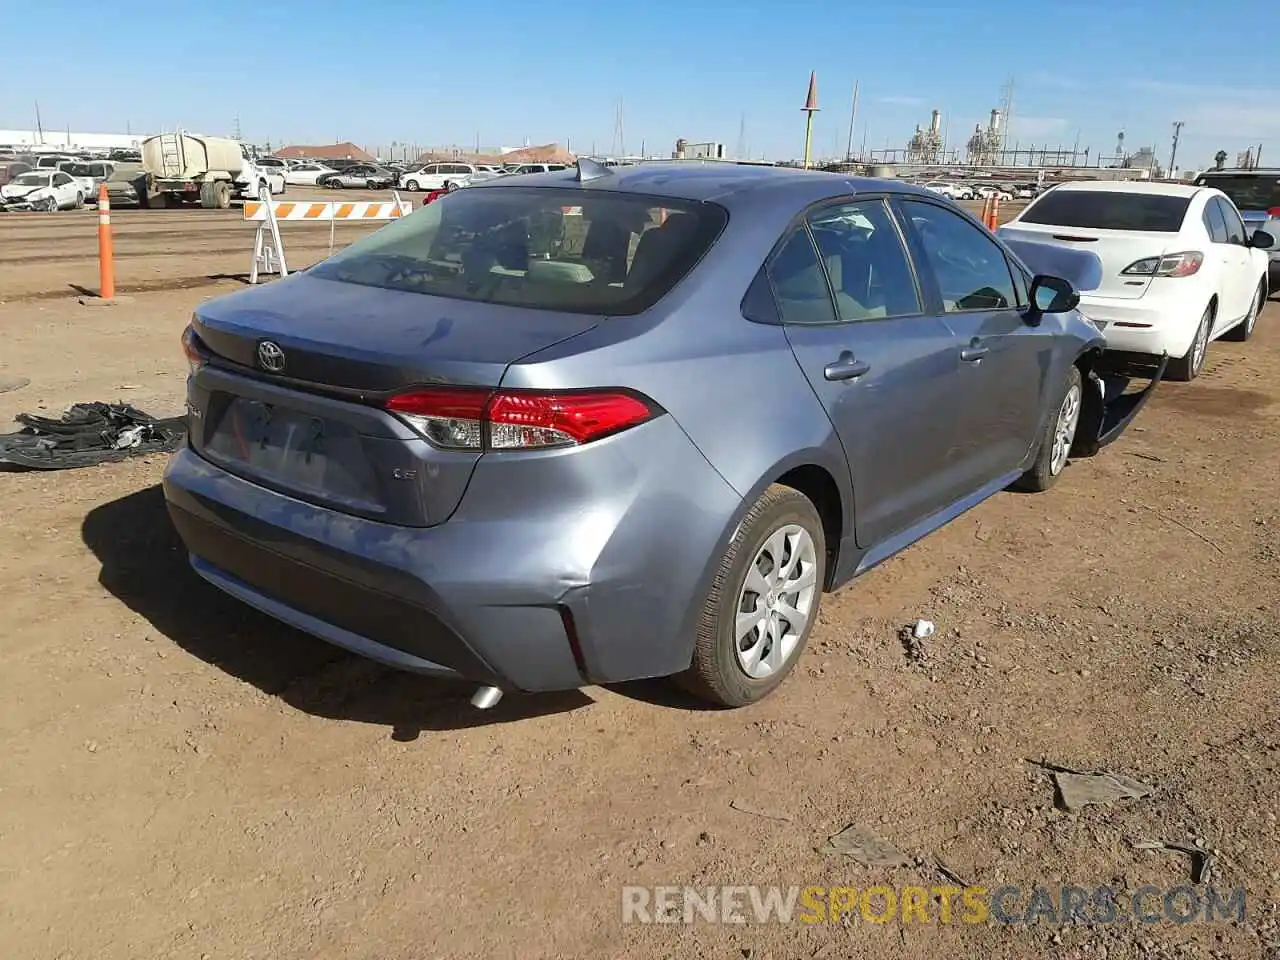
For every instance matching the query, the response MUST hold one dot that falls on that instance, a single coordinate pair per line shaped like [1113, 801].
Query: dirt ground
[181, 777]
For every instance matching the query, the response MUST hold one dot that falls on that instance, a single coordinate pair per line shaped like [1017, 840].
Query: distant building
[709, 150]
[53, 140]
[330, 151]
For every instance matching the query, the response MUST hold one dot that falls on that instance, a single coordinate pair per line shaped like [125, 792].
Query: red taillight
[1274, 213]
[1183, 264]
[191, 347]
[476, 418]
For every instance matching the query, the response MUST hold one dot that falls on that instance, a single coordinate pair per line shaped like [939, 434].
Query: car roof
[1239, 172]
[1130, 186]
[717, 181]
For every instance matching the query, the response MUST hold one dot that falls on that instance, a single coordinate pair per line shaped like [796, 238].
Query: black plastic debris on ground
[89, 434]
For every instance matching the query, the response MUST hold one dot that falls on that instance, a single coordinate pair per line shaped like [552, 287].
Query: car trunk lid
[1115, 249]
[305, 414]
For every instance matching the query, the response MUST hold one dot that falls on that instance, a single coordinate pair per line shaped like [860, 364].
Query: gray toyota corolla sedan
[597, 425]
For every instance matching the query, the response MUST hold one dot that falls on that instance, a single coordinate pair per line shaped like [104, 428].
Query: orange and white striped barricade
[268, 214]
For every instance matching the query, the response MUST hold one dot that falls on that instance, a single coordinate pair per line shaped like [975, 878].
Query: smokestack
[935, 122]
[995, 121]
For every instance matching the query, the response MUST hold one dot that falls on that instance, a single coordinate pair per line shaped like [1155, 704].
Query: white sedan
[306, 174]
[45, 190]
[1179, 269]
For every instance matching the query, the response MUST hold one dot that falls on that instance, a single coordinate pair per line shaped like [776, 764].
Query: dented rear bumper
[1109, 404]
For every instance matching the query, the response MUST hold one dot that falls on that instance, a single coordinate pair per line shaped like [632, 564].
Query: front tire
[1243, 330]
[763, 602]
[1187, 367]
[412, 186]
[1058, 437]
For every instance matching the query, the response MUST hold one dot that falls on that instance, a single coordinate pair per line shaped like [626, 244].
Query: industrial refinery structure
[986, 146]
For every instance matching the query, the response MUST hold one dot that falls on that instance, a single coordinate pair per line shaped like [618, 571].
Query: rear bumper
[604, 585]
[1151, 326]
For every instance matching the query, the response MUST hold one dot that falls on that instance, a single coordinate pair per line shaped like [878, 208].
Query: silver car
[606, 424]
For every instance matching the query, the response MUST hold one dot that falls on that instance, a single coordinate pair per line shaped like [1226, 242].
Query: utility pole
[853, 118]
[619, 134]
[1173, 154]
[39, 125]
[741, 151]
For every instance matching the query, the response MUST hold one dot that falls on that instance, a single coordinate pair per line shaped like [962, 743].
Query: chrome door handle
[848, 367]
[974, 352]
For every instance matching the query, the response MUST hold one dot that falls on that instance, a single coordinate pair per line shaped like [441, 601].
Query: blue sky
[437, 73]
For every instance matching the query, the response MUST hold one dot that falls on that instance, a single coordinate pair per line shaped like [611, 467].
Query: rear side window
[517, 246]
[799, 284]
[1108, 210]
[1248, 191]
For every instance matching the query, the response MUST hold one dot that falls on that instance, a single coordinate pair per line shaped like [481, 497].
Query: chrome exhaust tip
[486, 697]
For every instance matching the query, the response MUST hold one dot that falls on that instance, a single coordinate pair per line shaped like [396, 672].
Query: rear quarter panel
[733, 387]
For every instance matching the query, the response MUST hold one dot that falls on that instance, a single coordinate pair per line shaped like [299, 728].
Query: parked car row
[43, 189]
[439, 175]
[982, 191]
[584, 404]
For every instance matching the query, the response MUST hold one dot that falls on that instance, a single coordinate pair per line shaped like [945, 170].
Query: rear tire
[1058, 437]
[1187, 367]
[1243, 330]
[775, 564]
[208, 200]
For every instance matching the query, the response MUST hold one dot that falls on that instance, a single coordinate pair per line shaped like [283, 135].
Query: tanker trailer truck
[187, 167]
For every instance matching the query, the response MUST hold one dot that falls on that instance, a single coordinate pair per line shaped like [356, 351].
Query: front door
[1004, 361]
[885, 372]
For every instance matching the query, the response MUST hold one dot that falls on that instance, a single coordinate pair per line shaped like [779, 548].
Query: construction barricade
[268, 214]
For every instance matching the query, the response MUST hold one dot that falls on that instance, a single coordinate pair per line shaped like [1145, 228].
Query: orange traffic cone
[995, 213]
[986, 212]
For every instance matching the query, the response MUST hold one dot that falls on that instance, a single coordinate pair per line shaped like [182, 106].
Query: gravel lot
[182, 777]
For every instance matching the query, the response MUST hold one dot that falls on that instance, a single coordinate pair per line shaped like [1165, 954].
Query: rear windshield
[1108, 210]
[84, 169]
[1248, 192]
[552, 249]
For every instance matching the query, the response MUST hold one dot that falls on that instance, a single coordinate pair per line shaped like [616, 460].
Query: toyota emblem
[270, 356]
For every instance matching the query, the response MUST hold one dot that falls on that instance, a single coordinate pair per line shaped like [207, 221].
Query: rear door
[1120, 228]
[886, 373]
[1239, 276]
[1003, 360]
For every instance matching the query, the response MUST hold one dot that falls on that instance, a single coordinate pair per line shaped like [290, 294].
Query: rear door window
[865, 261]
[1236, 232]
[515, 246]
[1108, 210]
[1214, 223]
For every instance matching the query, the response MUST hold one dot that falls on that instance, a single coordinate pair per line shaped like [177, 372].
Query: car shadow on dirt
[144, 564]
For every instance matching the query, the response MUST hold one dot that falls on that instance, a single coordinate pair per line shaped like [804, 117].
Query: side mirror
[1261, 240]
[1052, 295]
